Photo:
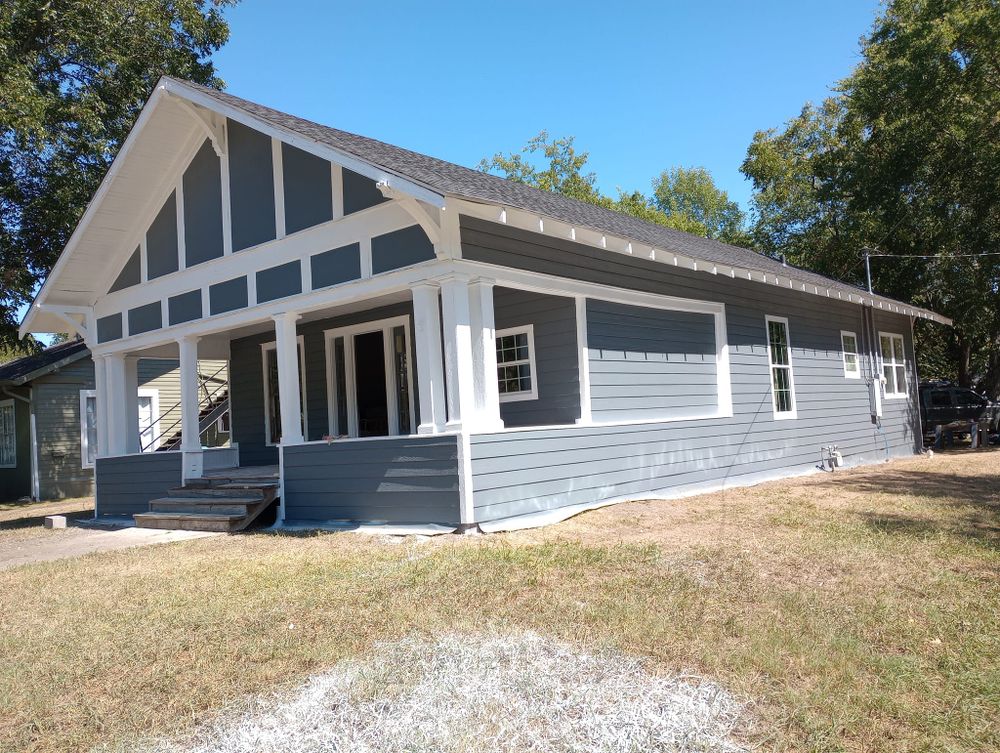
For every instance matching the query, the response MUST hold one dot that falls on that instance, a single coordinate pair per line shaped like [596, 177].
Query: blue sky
[641, 85]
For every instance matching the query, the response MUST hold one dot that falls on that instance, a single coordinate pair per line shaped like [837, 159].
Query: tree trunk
[964, 361]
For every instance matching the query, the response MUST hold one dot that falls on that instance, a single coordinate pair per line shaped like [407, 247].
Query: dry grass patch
[21, 521]
[858, 611]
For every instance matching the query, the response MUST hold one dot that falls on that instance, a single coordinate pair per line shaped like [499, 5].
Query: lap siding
[518, 472]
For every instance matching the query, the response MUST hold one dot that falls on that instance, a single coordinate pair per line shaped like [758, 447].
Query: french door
[370, 380]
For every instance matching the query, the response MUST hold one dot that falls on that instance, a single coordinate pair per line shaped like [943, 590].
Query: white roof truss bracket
[428, 219]
[76, 318]
[209, 121]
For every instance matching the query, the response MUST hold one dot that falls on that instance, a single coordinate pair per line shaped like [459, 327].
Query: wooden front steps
[224, 504]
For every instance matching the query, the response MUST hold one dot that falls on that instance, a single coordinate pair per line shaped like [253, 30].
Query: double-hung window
[849, 347]
[516, 364]
[779, 358]
[8, 435]
[893, 364]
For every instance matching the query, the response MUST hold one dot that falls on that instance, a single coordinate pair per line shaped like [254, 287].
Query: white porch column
[131, 404]
[458, 352]
[193, 466]
[430, 365]
[101, 404]
[484, 355]
[117, 397]
[287, 353]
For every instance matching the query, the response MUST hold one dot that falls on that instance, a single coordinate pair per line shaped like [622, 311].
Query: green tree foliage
[690, 198]
[73, 76]
[903, 160]
[683, 198]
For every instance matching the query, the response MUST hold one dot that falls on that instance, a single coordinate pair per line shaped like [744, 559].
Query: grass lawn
[858, 611]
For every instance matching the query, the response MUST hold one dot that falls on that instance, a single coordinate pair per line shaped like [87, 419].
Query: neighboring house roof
[24, 370]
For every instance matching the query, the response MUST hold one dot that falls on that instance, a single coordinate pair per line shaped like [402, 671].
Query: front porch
[357, 411]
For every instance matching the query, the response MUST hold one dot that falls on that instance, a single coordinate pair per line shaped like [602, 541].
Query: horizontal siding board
[515, 472]
[404, 480]
[125, 485]
[553, 319]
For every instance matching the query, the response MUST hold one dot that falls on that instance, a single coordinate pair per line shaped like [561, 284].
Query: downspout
[33, 455]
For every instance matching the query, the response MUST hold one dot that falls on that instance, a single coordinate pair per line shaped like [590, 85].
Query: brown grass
[858, 611]
[21, 521]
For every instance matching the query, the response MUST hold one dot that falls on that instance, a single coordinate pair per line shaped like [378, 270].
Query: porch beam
[289, 399]
[430, 362]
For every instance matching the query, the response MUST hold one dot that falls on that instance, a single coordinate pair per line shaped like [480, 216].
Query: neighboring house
[412, 341]
[48, 418]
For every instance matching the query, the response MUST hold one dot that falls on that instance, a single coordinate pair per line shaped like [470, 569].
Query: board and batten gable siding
[247, 396]
[393, 480]
[126, 485]
[553, 320]
[647, 362]
[519, 472]
[16, 482]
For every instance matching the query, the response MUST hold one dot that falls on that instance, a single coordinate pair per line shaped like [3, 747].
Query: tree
[903, 160]
[692, 202]
[73, 76]
[683, 199]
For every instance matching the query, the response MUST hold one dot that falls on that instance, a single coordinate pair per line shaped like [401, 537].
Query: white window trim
[385, 326]
[894, 363]
[794, 412]
[532, 394]
[154, 427]
[84, 441]
[13, 423]
[848, 374]
[273, 345]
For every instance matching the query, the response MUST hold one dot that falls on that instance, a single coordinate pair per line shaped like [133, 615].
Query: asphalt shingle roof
[447, 178]
[18, 370]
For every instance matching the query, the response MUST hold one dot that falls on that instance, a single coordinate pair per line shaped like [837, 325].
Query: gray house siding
[125, 485]
[644, 360]
[557, 372]
[394, 480]
[161, 240]
[56, 399]
[248, 390]
[524, 471]
[203, 207]
[16, 482]
[251, 186]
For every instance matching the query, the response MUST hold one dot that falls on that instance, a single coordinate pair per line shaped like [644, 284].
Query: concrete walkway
[73, 542]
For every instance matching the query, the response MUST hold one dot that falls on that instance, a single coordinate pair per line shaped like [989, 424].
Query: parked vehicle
[951, 407]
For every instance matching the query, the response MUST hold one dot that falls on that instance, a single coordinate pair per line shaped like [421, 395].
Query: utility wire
[932, 256]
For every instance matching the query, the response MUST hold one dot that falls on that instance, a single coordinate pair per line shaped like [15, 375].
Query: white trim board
[537, 222]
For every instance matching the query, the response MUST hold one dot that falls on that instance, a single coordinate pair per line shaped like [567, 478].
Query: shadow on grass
[960, 504]
[38, 521]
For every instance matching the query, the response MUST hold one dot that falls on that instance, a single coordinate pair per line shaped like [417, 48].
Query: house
[411, 341]
[48, 418]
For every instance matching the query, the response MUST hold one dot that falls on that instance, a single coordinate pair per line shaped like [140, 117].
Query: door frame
[385, 326]
[273, 345]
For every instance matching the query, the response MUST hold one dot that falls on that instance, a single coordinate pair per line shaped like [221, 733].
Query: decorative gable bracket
[428, 218]
[212, 123]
